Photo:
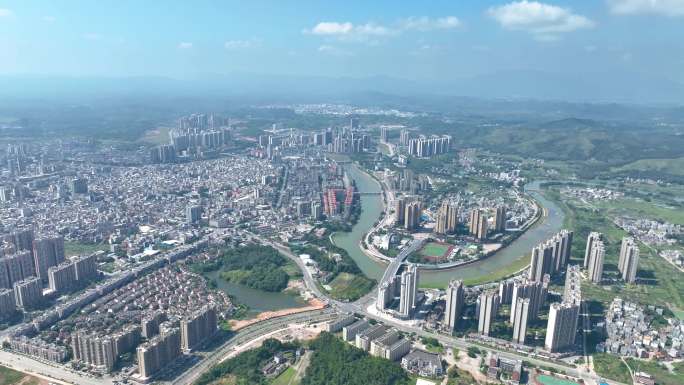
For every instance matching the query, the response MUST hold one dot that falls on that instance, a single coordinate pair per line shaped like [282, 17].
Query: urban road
[66, 376]
[361, 307]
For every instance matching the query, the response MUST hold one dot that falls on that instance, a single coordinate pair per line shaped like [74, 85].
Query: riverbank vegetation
[335, 362]
[341, 276]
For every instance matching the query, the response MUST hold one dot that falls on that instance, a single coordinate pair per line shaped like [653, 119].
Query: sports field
[434, 249]
[551, 380]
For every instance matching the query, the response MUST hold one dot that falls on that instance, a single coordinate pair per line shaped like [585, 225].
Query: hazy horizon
[615, 50]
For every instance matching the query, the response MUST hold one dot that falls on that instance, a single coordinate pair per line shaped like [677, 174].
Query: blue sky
[405, 39]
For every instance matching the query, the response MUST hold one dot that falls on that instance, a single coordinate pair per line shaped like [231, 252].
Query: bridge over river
[372, 207]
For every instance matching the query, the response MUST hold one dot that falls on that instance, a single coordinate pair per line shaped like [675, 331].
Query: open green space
[553, 380]
[286, 377]
[434, 249]
[255, 266]
[458, 376]
[674, 166]
[245, 369]
[350, 286]
[80, 248]
[612, 368]
[661, 374]
[346, 279]
[157, 136]
[638, 208]
[335, 362]
[658, 284]
[12, 377]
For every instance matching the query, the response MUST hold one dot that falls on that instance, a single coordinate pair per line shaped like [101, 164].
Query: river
[372, 207]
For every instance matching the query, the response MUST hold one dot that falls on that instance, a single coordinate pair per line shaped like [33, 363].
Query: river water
[520, 248]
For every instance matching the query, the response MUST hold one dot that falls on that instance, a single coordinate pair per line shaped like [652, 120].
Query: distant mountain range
[524, 85]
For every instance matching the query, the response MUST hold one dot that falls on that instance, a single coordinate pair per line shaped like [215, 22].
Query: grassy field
[611, 367]
[659, 372]
[350, 286]
[78, 248]
[660, 283]
[12, 377]
[285, 378]
[434, 249]
[670, 166]
[504, 272]
[158, 136]
[639, 208]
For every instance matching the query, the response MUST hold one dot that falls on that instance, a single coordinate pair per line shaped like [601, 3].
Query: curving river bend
[372, 207]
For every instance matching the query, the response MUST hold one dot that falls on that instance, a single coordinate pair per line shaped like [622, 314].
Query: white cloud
[334, 51]
[184, 45]
[4, 12]
[424, 23]
[657, 7]
[92, 36]
[370, 32]
[49, 19]
[349, 32]
[241, 44]
[544, 21]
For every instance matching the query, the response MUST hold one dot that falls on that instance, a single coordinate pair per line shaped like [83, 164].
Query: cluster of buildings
[197, 136]
[561, 329]
[526, 296]
[594, 257]
[153, 311]
[591, 193]
[630, 331]
[122, 199]
[425, 147]
[348, 139]
[552, 256]
[407, 211]
[650, 232]
[28, 264]
[379, 340]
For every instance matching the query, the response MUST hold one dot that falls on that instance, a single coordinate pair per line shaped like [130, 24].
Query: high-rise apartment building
[198, 327]
[28, 293]
[158, 352]
[478, 224]
[62, 278]
[521, 313]
[447, 218]
[592, 240]
[596, 258]
[399, 210]
[535, 291]
[8, 305]
[628, 264]
[455, 300]
[412, 215]
[488, 306]
[47, 252]
[409, 290]
[563, 317]
[15, 267]
[500, 219]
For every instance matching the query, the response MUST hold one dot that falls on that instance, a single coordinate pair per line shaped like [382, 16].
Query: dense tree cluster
[245, 369]
[335, 362]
